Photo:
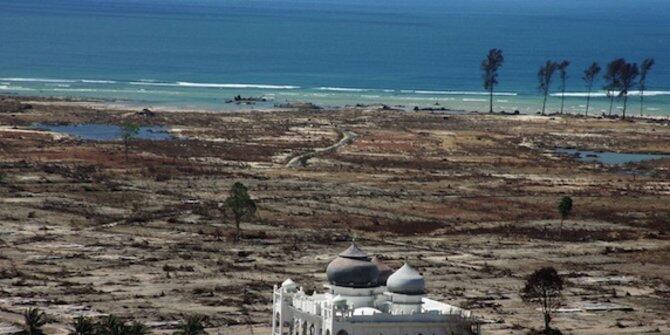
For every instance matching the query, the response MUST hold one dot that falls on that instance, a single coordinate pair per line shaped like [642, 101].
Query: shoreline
[105, 104]
[221, 97]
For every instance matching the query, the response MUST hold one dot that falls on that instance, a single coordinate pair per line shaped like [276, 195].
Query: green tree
[645, 67]
[612, 79]
[544, 287]
[627, 76]
[564, 209]
[33, 321]
[563, 75]
[83, 326]
[192, 325]
[129, 131]
[240, 204]
[490, 66]
[544, 76]
[590, 76]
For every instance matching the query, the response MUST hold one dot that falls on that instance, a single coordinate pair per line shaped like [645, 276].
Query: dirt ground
[469, 200]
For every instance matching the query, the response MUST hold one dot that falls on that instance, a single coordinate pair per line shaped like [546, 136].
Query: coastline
[219, 96]
[129, 106]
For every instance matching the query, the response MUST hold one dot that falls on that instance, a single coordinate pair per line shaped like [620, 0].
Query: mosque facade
[366, 297]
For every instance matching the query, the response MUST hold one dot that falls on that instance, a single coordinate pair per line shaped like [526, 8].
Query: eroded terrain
[469, 199]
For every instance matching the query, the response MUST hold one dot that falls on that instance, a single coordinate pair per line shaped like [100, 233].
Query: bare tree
[544, 76]
[490, 65]
[544, 287]
[612, 81]
[627, 76]
[644, 70]
[563, 74]
[590, 75]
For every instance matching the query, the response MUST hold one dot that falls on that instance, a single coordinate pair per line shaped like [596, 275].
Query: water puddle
[104, 132]
[608, 157]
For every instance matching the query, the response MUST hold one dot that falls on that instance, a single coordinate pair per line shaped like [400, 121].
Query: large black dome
[353, 268]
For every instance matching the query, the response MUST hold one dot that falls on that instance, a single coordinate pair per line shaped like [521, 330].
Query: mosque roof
[406, 281]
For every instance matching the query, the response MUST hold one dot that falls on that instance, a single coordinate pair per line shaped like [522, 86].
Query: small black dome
[353, 268]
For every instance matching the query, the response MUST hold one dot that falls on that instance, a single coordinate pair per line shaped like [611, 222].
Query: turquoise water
[103, 132]
[199, 53]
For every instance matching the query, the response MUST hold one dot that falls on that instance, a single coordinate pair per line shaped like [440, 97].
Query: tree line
[620, 77]
[34, 320]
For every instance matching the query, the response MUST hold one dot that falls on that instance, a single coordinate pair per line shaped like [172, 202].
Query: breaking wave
[39, 80]
[213, 85]
[342, 89]
[602, 94]
[458, 92]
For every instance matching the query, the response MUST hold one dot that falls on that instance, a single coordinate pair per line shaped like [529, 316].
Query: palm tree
[612, 82]
[490, 65]
[644, 70]
[34, 319]
[83, 326]
[193, 325]
[544, 76]
[563, 74]
[627, 77]
[590, 75]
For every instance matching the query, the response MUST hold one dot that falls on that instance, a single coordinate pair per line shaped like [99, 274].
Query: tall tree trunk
[491, 100]
[545, 303]
[611, 104]
[641, 101]
[238, 232]
[588, 99]
[125, 142]
[547, 319]
[625, 102]
[544, 103]
[562, 99]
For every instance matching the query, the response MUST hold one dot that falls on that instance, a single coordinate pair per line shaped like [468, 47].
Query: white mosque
[365, 297]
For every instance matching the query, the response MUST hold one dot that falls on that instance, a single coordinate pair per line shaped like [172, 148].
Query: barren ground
[470, 200]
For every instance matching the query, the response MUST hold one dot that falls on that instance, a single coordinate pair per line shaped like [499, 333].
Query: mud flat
[469, 199]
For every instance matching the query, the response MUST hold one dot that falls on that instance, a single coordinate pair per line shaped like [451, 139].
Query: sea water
[199, 53]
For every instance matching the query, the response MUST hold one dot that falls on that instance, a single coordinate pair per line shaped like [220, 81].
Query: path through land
[346, 137]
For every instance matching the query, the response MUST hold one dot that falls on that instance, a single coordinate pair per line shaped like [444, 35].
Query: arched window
[311, 330]
[327, 331]
[304, 328]
[277, 320]
[342, 332]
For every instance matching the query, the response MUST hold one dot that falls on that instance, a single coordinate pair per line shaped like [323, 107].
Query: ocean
[199, 53]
